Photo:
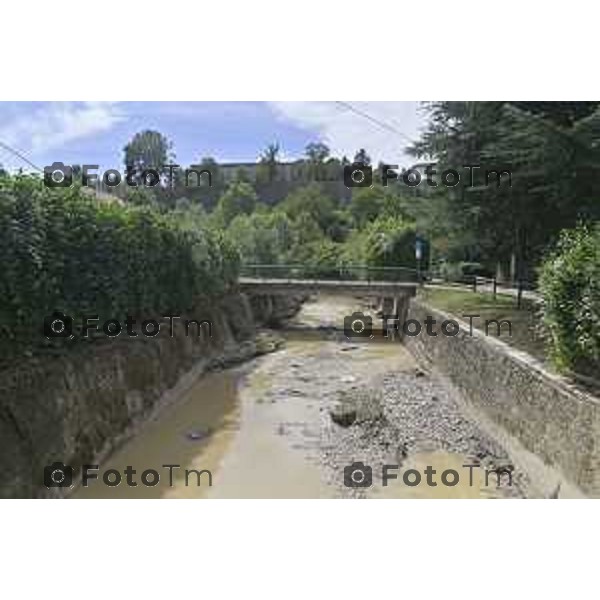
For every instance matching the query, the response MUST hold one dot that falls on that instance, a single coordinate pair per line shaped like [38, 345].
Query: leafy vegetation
[570, 284]
[552, 150]
[64, 250]
[158, 248]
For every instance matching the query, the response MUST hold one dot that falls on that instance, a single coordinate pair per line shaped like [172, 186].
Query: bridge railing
[344, 273]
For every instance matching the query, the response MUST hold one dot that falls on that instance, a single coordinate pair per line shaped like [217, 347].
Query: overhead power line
[21, 156]
[373, 119]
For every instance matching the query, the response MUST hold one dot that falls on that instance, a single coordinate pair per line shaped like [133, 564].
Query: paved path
[481, 287]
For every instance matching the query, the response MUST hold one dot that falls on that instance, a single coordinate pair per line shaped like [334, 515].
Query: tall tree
[366, 204]
[267, 171]
[543, 147]
[362, 157]
[310, 201]
[149, 150]
[316, 154]
[239, 199]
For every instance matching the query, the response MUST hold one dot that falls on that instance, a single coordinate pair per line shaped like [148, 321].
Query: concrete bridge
[391, 286]
[350, 287]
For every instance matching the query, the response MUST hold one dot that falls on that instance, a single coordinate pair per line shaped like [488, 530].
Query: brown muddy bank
[79, 405]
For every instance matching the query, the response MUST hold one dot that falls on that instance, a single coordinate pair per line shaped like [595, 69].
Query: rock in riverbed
[341, 415]
[356, 406]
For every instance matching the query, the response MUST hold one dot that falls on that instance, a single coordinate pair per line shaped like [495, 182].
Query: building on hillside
[289, 172]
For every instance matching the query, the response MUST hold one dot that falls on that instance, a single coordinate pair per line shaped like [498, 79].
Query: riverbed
[290, 424]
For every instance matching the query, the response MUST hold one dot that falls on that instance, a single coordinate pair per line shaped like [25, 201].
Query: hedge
[64, 250]
[570, 287]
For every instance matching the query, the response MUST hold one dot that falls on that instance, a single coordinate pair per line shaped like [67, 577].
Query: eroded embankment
[77, 406]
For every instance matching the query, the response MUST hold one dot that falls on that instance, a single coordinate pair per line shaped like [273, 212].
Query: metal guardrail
[478, 284]
[345, 273]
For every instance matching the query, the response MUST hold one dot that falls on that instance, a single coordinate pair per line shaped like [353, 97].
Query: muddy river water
[265, 429]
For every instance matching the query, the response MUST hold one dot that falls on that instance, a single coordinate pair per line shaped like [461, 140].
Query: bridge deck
[379, 288]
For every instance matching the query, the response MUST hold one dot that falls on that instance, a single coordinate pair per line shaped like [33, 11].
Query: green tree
[64, 249]
[316, 154]
[389, 242]
[267, 168]
[366, 204]
[198, 189]
[239, 199]
[148, 150]
[543, 145]
[141, 196]
[310, 200]
[322, 258]
[263, 237]
[362, 157]
[333, 169]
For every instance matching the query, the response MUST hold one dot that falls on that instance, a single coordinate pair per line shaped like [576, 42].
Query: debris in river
[197, 434]
[401, 453]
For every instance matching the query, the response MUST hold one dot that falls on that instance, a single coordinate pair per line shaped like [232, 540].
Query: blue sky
[96, 132]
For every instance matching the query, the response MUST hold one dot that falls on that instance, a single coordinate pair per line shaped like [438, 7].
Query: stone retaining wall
[549, 416]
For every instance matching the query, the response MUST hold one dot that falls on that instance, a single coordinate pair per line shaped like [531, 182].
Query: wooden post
[495, 288]
[474, 283]
[519, 293]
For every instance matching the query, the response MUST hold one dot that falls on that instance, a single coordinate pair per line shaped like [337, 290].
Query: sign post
[419, 256]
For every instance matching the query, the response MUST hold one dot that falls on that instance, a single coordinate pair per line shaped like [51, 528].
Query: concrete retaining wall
[551, 418]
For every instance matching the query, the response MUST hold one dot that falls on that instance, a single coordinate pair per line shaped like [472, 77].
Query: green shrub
[390, 242]
[63, 250]
[570, 287]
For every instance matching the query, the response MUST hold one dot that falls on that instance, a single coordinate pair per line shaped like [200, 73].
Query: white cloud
[54, 124]
[345, 132]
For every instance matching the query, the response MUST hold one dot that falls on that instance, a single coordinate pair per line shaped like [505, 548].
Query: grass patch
[527, 329]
